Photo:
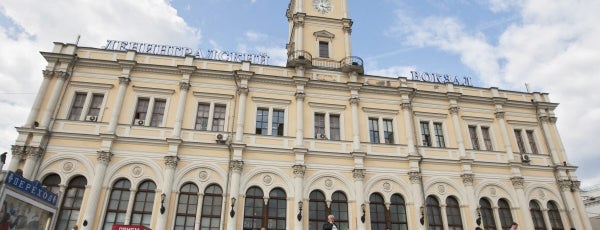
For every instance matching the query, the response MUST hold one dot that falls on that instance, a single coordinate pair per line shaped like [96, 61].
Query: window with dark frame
[453, 214]
[439, 135]
[374, 130]
[141, 109]
[485, 131]
[52, 183]
[218, 121]
[317, 210]
[277, 212]
[143, 204]
[339, 208]
[531, 140]
[262, 121]
[378, 212]
[383, 218]
[473, 135]
[158, 112]
[434, 214]
[77, 107]
[187, 204]
[253, 209]
[94, 109]
[323, 49]
[202, 116]
[505, 214]
[117, 204]
[388, 131]
[554, 216]
[334, 127]
[71, 203]
[425, 134]
[278, 122]
[520, 143]
[398, 219]
[537, 216]
[487, 214]
[210, 218]
[319, 124]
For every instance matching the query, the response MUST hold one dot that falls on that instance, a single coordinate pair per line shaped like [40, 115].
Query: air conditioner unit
[321, 136]
[525, 158]
[138, 122]
[91, 118]
[221, 137]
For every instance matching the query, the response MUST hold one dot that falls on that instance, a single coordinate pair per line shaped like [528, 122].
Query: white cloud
[26, 30]
[553, 49]
[392, 72]
[254, 36]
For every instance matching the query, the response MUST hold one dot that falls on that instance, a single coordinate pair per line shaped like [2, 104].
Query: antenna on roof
[527, 87]
[77, 41]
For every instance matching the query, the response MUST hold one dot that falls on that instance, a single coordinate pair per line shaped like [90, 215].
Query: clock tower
[320, 36]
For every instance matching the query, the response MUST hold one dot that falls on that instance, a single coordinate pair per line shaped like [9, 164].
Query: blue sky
[552, 45]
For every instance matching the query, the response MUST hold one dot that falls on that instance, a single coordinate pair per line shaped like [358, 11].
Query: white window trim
[479, 122]
[431, 118]
[212, 99]
[152, 94]
[90, 89]
[271, 104]
[328, 110]
[382, 114]
[524, 127]
[324, 36]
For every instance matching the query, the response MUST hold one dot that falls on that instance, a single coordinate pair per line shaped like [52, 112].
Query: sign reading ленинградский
[180, 51]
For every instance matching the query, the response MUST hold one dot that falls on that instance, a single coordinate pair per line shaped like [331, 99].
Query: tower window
[323, 49]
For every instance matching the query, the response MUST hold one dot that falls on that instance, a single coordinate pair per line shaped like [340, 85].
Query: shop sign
[33, 188]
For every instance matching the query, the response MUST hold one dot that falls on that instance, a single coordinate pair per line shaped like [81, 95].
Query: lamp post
[162, 203]
[362, 218]
[232, 212]
[299, 216]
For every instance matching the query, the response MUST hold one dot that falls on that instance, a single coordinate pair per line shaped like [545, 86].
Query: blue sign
[33, 188]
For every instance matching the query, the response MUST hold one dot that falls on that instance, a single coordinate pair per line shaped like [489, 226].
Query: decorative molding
[427, 115]
[18, 151]
[380, 111]
[237, 166]
[575, 185]
[300, 95]
[415, 177]
[171, 162]
[328, 183]
[203, 175]
[184, 85]
[149, 90]
[299, 170]
[62, 75]
[327, 107]
[68, 167]
[47, 73]
[137, 171]
[324, 34]
[454, 109]
[468, 178]
[478, 119]
[500, 114]
[387, 186]
[354, 100]
[267, 180]
[243, 90]
[124, 80]
[91, 85]
[406, 106]
[272, 101]
[564, 185]
[359, 174]
[35, 152]
[104, 157]
[213, 96]
[517, 182]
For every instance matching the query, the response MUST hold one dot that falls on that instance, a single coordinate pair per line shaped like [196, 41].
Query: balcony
[346, 65]
[352, 64]
[299, 58]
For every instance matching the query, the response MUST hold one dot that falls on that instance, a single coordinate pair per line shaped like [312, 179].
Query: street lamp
[232, 212]
[299, 216]
[362, 218]
[162, 203]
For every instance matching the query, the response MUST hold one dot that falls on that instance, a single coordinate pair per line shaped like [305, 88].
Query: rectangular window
[158, 112]
[278, 122]
[323, 49]
[334, 127]
[218, 122]
[319, 125]
[520, 143]
[202, 116]
[532, 143]
[425, 134]
[95, 105]
[142, 109]
[374, 130]
[485, 131]
[262, 121]
[77, 106]
[388, 131]
[473, 135]
[439, 135]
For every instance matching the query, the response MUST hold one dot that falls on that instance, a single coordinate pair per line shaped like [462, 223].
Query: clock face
[323, 6]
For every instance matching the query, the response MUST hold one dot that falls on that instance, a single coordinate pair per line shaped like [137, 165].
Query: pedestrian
[514, 226]
[330, 225]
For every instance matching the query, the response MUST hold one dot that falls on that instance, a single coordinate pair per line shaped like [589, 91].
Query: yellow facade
[378, 136]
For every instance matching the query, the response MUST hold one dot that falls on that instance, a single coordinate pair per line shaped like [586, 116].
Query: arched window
[317, 206]
[487, 214]
[277, 210]
[339, 208]
[71, 204]
[536, 215]
[144, 202]
[253, 208]
[505, 215]
[211, 208]
[187, 204]
[453, 214]
[52, 182]
[554, 215]
[377, 211]
[434, 214]
[117, 205]
[398, 213]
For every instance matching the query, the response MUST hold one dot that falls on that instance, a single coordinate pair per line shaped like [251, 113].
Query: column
[545, 216]
[418, 202]
[239, 133]
[347, 27]
[39, 98]
[444, 214]
[497, 216]
[130, 206]
[359, 177]
[355, 129]
[406, 106]
[574, 218]
[467, 179]
[184, 87]
[504, 132]
[300, 119]
[579, 202]
[52, 102]
[170, 166]
[236, 168]
[92, 203]
[114, 119]
[518, 183]
[299, 171]
[457, 128]
[33, 156]
[549, 140]
[199, 211]
[17, 155]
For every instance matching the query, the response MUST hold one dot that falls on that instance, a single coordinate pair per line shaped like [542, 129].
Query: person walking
[330, 225]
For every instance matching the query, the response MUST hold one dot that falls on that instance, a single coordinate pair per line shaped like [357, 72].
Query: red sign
[129, 227]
